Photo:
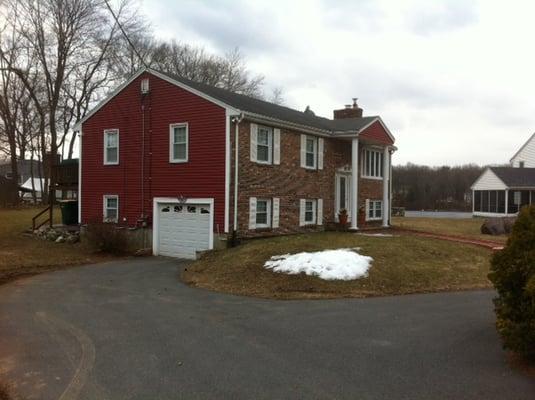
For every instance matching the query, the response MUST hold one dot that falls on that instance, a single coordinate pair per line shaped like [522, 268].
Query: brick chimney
[350, 111]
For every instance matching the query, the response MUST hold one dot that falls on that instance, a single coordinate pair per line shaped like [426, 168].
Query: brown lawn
[469, 228]
[402, 264]
[21, 255]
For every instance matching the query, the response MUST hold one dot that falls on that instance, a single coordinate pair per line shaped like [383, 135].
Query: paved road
[131, 330]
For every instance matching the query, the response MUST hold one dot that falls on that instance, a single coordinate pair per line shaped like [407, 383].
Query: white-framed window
[264, 145]
[111, 147]
[111, 208]
[263, 213]
[375, 210]
[310, 212]
[311, 152]
[178, 143]
[372, 163]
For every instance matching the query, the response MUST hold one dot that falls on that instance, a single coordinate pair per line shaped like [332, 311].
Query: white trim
[253, 138]
[276, 146]
[319, 212]
[252, 213]
[104, 146]
[522, 148]
[354, 196]
[262, 119]
[347, 176]
[374, 218]
[481, 176]
[386, 178]
[361, 130]
[249, 115]
[227, 171]
[270, 132]
[113, 93]
[79, 196]
[314, 152]
[105, 198]
[276, 213]
[365, 151]
[490, 214]
[172, 200]
[268, 223]
[321, 150]
[192, 90]
[314, 220]
[172, 158]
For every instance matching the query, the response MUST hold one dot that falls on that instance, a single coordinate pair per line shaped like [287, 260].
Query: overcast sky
[453, 80]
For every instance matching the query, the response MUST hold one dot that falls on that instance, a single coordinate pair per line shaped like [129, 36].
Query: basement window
[111, 208]
[375, 210]
[263, 213]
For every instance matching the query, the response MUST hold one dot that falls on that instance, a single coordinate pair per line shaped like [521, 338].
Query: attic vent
[144, 86]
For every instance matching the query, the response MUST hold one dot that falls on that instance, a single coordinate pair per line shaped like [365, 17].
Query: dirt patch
[5, 392]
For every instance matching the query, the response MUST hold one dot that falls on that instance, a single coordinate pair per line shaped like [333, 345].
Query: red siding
[203, 176]
[376, 133]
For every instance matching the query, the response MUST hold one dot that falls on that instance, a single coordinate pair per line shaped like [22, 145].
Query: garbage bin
[69, 211]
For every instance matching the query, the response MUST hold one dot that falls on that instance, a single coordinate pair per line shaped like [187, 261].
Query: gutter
[236, 121]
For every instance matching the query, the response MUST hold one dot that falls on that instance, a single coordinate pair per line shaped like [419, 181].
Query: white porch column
[386, 179]
[354, 198]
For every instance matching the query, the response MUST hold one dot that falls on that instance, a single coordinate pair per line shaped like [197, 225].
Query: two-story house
[503, 191]
[192, 163]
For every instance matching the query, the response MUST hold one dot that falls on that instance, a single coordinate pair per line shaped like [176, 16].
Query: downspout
[142, 159]
[236, 121]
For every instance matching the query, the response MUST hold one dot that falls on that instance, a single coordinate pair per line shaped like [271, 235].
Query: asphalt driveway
[131, 330]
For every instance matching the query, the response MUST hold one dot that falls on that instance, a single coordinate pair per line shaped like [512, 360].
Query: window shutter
[367, 210]
[320, 153]
[302, 207]
[276, 146]
[320, 212]
[252, 212]
[276, 209]
[254, 135]
[303, 151]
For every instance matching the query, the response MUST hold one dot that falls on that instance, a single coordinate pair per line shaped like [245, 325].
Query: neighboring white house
[503, 191]
[38, 184]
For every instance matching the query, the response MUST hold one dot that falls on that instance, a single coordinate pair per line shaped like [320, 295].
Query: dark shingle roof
[515, 177]
[270, 110]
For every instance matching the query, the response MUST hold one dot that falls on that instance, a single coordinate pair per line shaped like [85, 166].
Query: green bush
[107, 238]
[513, 275]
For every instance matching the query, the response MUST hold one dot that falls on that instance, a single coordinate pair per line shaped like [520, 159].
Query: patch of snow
[340, 264]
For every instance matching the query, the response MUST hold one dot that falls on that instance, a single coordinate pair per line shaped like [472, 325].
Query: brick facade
[290, 182]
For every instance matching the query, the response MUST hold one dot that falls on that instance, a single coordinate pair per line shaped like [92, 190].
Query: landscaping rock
[71, 239]
[60, 239]
[52, 235]
[497, 226]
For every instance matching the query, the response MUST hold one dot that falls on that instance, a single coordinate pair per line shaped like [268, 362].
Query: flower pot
[342, 219]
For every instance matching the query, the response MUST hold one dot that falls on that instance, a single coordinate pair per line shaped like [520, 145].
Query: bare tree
[277, 96]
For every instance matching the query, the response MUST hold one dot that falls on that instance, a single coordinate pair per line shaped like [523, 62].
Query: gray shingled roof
[515, 177]
[267, 109]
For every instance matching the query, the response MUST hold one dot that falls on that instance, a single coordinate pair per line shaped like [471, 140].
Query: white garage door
[183, 229]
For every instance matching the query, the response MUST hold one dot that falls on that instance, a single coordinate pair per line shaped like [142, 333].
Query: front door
[343, 193]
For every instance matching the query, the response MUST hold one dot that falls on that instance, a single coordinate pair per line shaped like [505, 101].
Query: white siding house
[503, 191]
[525, 157]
